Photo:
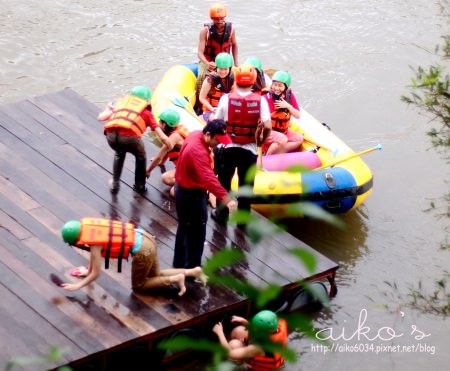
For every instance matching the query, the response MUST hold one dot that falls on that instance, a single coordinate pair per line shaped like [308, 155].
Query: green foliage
[55, 354]
[430, 92]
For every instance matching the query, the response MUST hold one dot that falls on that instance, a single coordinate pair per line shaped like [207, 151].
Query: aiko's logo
[363, 332]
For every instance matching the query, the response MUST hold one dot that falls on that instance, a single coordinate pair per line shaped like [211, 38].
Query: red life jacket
[243, 117]
[127, 115]
[275, 361]
[216, 43]
[175, 151]
[115, 237]
[280, 117]
[219, 87]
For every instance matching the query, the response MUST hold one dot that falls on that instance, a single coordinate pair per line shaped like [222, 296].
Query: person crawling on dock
[216, 84]
[282, 104]
[247, 341]
[113, 239]
[127, 120]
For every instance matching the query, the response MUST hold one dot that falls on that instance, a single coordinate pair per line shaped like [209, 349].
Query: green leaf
[306, 257]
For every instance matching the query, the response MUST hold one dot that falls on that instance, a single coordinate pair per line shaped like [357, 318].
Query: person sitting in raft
[127, 121]
[263, 81]
[112, 239]
[243, 343]
[216, 84]
[282, 105]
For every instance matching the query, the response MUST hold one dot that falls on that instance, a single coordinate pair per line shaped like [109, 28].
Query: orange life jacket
[115, 237]
[216, 43]
[219, 87]
[127, 115]
[175, 151]
[243, 117]
[275, 361]
[281, 117]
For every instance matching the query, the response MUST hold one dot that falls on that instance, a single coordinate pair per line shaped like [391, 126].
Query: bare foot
[178, 279]
[199, 275]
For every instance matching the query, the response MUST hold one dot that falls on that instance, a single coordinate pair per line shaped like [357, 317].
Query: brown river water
[350, 62]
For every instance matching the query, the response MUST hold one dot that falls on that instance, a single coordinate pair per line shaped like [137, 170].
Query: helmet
[224, 60]
[245, 75]
[141, 92]
[170, 117]
[282, 76]
[255, 62]
[71, 231]
[264, 322]
[217, 10]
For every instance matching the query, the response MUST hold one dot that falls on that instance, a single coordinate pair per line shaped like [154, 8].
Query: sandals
[81, 271]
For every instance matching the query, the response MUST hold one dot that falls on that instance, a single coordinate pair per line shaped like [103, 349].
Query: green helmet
[282, 76]
[141, 92]
[71, 231]
[264, 322]
[224, 60]
[170, 117]
[255, 62]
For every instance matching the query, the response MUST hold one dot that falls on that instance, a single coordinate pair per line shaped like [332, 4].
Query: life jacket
[127, 115]
[219, 87]
[175, 151]
[115, 237]
[216, 43]
[243, 117]
[280, 117]
[275, 361]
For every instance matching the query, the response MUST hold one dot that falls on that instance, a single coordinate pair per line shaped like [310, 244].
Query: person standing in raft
[246, 341]
[194, 178]
[216, 84]
[112, 239]
[282, 104]
[216, 37]
[248, 119]
[128, 120]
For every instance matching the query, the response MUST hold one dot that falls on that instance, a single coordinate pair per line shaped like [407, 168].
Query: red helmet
[217, 10]
[245, 74]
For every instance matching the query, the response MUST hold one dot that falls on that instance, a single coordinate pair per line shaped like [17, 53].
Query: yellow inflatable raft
[338, 180]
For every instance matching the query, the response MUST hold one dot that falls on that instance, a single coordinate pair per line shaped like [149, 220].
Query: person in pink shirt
[282, 105]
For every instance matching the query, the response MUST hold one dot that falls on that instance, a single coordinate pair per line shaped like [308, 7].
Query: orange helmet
[217, 10]
[245, 74]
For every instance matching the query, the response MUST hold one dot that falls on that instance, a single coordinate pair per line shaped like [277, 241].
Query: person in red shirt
[194, 178]
[127, 121]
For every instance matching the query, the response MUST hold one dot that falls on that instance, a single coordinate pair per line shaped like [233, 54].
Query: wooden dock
[55, 166]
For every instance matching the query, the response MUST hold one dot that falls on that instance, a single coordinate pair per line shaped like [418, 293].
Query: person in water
[112, 239]
[282, 105]
[245, 341]
[127, 120]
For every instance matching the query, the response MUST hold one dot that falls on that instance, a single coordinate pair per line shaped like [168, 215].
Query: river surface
[350, 62]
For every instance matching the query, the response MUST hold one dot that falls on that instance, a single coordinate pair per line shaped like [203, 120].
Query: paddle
[377, 147]
[258, 137]
[179, 101]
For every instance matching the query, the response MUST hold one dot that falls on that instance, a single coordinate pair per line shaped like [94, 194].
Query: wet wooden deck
[55, 165]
